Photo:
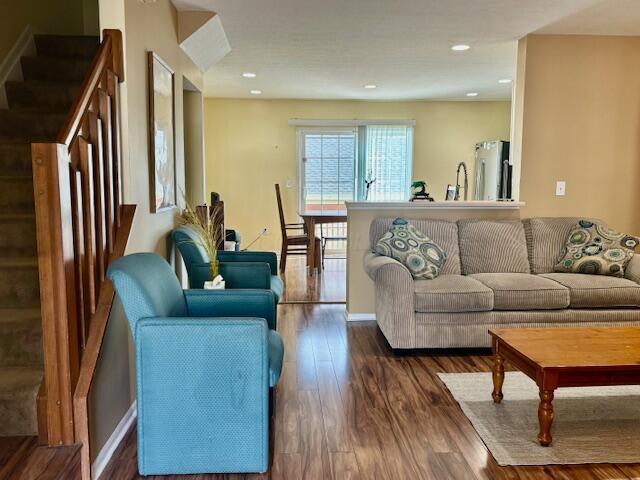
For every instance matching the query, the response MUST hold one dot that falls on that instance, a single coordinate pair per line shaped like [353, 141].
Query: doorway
[194, 166]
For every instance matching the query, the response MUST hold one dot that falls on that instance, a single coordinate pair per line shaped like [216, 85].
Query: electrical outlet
[288, 182]
[561, 187]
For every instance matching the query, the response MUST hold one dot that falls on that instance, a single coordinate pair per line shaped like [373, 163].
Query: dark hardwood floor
[347, 408]
[328, 287]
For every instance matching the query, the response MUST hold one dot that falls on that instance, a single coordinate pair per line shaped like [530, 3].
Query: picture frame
[162, 135]
[450, 193]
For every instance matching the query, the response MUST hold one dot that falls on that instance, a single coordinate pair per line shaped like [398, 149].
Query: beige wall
[250, 146]
[45, 16]
[194, 148]
[581, 124]
[146, 27]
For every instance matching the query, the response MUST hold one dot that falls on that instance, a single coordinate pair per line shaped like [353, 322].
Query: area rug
[591, 425]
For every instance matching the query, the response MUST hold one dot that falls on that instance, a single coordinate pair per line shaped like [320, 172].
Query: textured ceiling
[329, 49]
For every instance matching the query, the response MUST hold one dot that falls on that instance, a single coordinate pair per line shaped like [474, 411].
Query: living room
[320, 240]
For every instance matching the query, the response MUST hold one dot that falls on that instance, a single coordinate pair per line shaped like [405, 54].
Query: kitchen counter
[442, 205]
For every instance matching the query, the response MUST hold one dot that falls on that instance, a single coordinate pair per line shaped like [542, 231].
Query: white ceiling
[329, 49]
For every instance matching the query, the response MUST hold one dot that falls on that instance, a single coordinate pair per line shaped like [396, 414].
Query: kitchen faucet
[466, 181]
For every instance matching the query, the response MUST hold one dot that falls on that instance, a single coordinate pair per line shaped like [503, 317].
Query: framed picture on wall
[162, 168]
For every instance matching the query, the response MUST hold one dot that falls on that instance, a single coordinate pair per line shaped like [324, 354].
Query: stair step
[54, 69]
[19, 283]
[17, 125]
[20, 337]
[40, 96]
[15, 158]
[16, 195]
[18, 235]
[76, 46]
[18, 393]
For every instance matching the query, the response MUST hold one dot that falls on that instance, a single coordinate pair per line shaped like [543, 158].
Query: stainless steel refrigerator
[492, 171]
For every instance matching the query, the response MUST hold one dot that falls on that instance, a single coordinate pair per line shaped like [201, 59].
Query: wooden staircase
[38, 107]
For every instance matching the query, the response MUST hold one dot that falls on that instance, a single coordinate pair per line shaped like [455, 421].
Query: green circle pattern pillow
[595, 249]
[405, 243]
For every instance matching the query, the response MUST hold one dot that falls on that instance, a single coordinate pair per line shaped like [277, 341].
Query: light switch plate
[288, 183]
[561, 187]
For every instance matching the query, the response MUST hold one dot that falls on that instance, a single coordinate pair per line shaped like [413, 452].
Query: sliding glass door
[328, 168]
[385, 161]
[365, 162]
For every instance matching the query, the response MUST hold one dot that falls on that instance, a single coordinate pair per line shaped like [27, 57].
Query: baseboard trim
[109, 448]
[10, 68]
[359, 317]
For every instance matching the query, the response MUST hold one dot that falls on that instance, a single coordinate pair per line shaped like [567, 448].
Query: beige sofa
[498, 274]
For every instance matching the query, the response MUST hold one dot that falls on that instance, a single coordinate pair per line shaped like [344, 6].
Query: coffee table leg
[545, 417]
[498, 378]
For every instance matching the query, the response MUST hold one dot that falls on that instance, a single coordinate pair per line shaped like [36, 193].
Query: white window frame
[300, 152]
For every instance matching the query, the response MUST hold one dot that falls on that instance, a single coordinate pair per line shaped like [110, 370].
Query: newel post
[54, 230]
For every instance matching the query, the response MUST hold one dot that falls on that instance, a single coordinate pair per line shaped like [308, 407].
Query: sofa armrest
[261, 257]
[394, 299]
[196, 377]
[375, 264]
[632, 270]
[232, 303]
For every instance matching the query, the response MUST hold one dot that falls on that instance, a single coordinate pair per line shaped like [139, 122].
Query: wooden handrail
[80, 226]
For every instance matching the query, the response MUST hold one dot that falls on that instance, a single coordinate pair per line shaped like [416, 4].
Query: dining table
[311, 218]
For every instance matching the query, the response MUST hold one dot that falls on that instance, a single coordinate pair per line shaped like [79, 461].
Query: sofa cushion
[595, 249]
[546, 238]
[405, 243]
[442, 232]
[597, 291]
[452, 293]
[490, 246]
[523, 291]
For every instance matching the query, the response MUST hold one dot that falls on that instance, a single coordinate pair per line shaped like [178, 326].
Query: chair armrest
[232, 303]
[262, 257]
[245, 274]
[632, 270]
[198, 273]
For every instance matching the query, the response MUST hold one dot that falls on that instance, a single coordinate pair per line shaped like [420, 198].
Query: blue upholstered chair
[239, 269]
[205, 362]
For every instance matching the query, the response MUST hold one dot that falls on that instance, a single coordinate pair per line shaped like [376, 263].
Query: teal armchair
[205, 362]
[239, 269]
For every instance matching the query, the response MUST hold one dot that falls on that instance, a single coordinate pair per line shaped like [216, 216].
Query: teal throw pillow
[405, 243]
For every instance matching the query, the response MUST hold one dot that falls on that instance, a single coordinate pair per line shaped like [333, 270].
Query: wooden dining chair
[292, 243]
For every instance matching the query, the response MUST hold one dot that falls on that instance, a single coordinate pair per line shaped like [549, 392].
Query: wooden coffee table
[566, 357]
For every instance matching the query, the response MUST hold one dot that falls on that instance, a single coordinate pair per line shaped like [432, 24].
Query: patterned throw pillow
[405, 243]
[595, 249]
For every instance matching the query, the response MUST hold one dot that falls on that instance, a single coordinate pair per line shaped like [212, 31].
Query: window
[386, 162]
[328, 168]
[357, 162]
[366, 162]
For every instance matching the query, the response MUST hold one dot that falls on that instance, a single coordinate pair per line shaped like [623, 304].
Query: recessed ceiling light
[472, 94]
[255, 92]
[249, 75]
[460, 47]
[370, 86]
[505, 80]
